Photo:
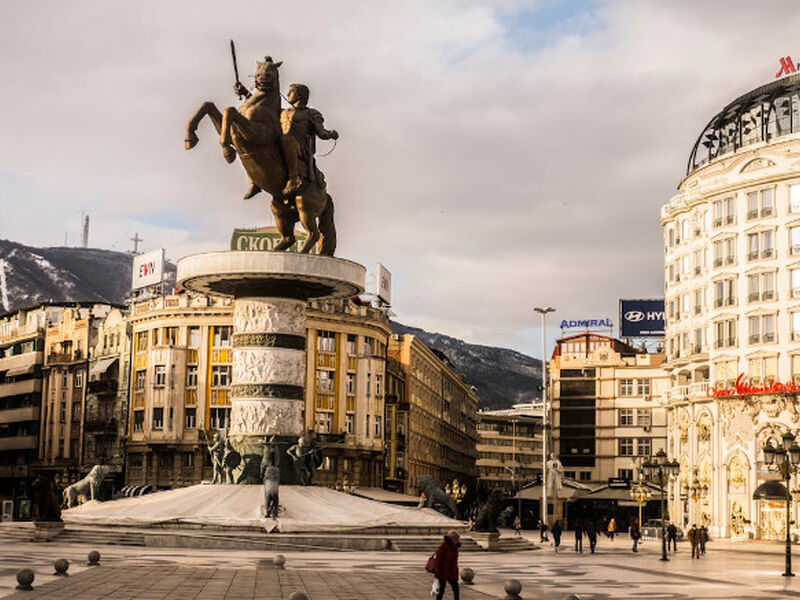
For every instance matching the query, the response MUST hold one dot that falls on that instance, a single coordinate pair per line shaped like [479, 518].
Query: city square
[400, 300]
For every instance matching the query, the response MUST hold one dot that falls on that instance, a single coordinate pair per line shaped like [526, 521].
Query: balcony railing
[686, 392]
[99, 425]
[102, 387]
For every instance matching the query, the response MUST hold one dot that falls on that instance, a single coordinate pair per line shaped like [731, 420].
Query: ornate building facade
[441, 436]
[732, 282]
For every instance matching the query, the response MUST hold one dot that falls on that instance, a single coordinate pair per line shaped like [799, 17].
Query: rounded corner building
[732, 292]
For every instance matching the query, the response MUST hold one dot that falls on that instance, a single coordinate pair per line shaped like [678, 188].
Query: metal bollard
[467, 575]
[298, 596]
[25, 579]
[513, 588]
[279, 560]
[94, 559]
[61, 566]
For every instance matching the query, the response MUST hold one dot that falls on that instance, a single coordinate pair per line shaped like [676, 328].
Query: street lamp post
[640, 495]
[658, 470]
[543, 310]
[696, 492]
[786, 459]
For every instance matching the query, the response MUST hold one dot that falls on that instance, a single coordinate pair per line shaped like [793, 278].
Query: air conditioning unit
[646, 427]
[648, 397]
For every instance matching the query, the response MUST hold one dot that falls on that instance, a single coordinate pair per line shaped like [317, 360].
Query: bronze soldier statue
[276, 149]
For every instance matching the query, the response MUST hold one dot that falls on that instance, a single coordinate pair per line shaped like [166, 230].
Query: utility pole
[543, 310]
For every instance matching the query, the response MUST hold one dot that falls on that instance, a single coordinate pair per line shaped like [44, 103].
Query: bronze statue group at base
[276, 147]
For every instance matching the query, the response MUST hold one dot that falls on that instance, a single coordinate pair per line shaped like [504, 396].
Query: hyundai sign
[641, 318]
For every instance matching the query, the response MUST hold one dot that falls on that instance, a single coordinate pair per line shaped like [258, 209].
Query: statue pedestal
[45, 531]
[270, 291]
[488, 540]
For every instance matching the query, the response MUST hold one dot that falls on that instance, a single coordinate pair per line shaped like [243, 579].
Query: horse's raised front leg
[207, 108]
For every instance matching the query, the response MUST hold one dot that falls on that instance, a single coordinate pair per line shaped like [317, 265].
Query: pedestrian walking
[579, 536]
[517, 526]
[612, 528]
[556, 530]
[636, 533]
[703, 539]
[444, 565]
[694, 541]
[543, 531]
[591, 534]
[672, 537]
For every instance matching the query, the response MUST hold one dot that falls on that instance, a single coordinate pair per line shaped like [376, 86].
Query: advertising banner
[384, 284]
[148, 269]
[263, 239]
[641, 318]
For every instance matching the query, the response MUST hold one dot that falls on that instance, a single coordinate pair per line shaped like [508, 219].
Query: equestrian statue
[276, 147]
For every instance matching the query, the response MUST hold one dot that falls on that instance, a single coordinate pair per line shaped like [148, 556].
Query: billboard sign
[263, 239]
[587, 324]
[641, 318]
[148, 269]
[384, 284]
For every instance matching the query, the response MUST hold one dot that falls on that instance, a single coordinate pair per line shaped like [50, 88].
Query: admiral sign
[148, 269]
[641, 318]
[587, 324]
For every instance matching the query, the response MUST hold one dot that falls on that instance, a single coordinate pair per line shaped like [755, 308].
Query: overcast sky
[494, 155]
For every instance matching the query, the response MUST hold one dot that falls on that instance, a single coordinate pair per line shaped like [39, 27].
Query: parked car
[652, 529]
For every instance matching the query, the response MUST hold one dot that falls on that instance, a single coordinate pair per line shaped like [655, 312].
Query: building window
[369, 384]
[165, 460]
[366, 425]
[794, 198]
[141, 378]
[725, 292]
[794, 240]
[644, 446]
[725, 333]
[63, 413]
[349, 424]
[378, 384]
[194, 337]
[626, 417]
[141, 341]
[64, 380]
[191, 417]
[222, 336]
[796, 366]
[643, 387]
[377, 426]
[351, 383]
[626, 446]
[219, 418]
[326, 341]
[351, 344]
[187, 459]
[760, 204]
[78, 379]
[324, 422]
[220, 376]
[138, 420]
[626, 387]
[760, 245]
[761, 329]
[643, 417]
[191, 376]
[625, 474]
[324, 381]
[160, 376]
[135, 460]
[585, 475]
[158, 418]
[76, 412]
[762, 370]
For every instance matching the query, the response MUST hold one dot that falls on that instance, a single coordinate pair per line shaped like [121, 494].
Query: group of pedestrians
[697, 540]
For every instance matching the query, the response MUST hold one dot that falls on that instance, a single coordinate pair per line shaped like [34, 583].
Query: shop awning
[771, 490]
[100, 366]
[20, 371]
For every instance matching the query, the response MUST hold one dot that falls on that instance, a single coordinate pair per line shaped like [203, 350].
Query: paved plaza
[743, 570]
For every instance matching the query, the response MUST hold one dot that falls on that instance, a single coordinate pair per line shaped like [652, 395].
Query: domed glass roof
[761, 115]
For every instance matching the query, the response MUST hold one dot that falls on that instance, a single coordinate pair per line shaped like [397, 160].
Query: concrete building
[396, 409]
[732, 281]
[441, 435]
[509, 447]
[606, 410]
[68, 340]
[180, 388]
[22, 335]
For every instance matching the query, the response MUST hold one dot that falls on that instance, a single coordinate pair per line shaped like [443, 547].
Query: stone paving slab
[203, 583]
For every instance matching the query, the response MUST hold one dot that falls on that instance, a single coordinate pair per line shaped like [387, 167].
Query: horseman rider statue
[301, 126]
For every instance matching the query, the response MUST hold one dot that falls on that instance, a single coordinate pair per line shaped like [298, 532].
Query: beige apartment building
[181, 362]
[606, 411]
[509, 447]
[441, 435]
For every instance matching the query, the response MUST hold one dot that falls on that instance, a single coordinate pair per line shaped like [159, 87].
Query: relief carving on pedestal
[269, 366]
[270, 316]
[267, 418]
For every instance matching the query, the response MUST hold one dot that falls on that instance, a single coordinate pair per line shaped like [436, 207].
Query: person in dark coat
[579, 536]
[672, 537]
[543, 531]
[694, 541]
[636, 533]
[703, 539]
[556, 531]
[446, 567]
[591, 533]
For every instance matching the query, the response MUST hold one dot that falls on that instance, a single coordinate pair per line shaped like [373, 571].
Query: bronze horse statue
[253, 131]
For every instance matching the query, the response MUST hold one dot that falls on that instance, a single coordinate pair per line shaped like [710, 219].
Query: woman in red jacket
[446, 569]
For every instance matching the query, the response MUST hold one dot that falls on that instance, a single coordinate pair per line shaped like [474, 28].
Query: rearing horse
[253, 131]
